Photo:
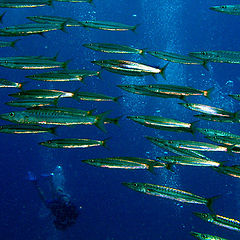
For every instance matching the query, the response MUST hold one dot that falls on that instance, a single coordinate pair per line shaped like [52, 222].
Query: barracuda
[204, 236]
[113, 48]
[196, 146]
[163, 123]
[9, 84]
[221, 221]
[24, 3]
[73, 143]
[46, 116]
[125, 163]
[30, 28]
[29, 103]
[88, 96]
[26, 129]
[208, 110]
[67, 75]
[219, 56]
[68, 22]
[75, 1]
[129, 68]
[109, 26]
[166, 91]
[228, 9]
[41, 94]
[172, 148]
[189, 161]
[177, 58]
[170, 193]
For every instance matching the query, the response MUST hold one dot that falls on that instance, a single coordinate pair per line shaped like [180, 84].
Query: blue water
[110, 210]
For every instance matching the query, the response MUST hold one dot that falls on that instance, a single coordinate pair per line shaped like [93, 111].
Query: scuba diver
[64, 211]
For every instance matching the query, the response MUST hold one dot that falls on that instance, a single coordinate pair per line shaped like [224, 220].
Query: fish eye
[135, 184]
[223, 7]
[11, 114]
[204, 235]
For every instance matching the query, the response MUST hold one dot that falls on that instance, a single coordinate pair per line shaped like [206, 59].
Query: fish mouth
[4, 116]
[126, 184]
[197, 214]
[194, 234]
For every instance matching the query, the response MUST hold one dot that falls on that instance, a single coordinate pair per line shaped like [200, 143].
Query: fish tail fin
[169, 166]
[151, 168]
[1, 16]
[135, 27]
[116, 99]
[236, 115]
[193, 127]
[55, 101]
[13, 43]
[53, 130]
[104, 143]
[63, 26]
[205, 65]
[116, 120]
[56, 56]
[210, 202]
[209, 93]
[65, 64]
[163, 70]
[100, 121]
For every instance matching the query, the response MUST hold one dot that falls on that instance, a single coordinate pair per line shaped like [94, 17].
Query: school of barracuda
[42, 104]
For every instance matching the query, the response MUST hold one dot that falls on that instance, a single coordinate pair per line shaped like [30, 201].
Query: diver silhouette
[64, 211]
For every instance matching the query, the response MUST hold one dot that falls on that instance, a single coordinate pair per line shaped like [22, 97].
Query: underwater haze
[108, 209]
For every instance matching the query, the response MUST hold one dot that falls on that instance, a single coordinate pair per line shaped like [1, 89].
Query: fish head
[48, 143]
[221, 8]
[13, 117]
[204, 216]
[199, 236]
[90, 161]
[18, 94]
[139, 187]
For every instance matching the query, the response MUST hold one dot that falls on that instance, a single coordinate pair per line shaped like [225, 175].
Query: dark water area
[110, 211]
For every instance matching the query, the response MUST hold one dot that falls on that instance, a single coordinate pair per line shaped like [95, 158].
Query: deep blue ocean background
[111, 211]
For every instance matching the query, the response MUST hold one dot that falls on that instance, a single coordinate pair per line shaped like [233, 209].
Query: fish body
[4, 83]
[64, 76]
[208, 109]
[29, 29]
[189, 161]
[168, 145]
[125, 163]
[219, 220]
[166, 91]
[228, 9]
[69, 22]
[219, 56]
[215, 118]
[163, 123]
[26, 129]
[41, 94]
[24, 3]
[73, 143]
[32, 63]
[129, 68]
[177, 58]
[113, 48]
[204, 236]
[75, 1]
[109, 26]
[88, 96]
[30, 103]
[170, 193]
[52, 117]
[197, 146]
